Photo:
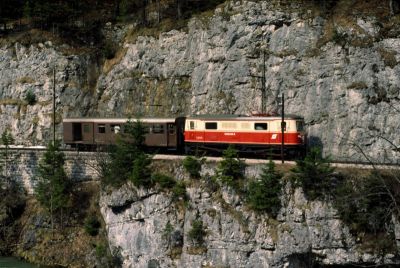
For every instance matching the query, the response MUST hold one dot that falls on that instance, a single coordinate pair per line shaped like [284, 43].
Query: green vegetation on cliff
[53, 187]
[263, 195]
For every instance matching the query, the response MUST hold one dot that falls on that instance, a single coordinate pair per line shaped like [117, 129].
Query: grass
[357, 85]
[388, 56]
[286, 53]
[13, 102]
[165, 25]
[197, 250]
[25, 80]
[110, 63]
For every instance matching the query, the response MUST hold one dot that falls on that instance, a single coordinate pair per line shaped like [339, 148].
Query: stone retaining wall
[23, 166]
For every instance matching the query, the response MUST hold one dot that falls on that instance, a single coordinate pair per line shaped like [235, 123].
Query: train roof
[117, 120]
[243, 117]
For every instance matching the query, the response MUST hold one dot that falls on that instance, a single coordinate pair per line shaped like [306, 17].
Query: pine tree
[263, 194]
[53, 187]
[128, 159]
[6, 139]
[313, 173]
[231, 168]
[141, 173]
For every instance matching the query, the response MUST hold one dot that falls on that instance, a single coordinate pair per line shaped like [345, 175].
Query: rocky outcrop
[148, 229]
[344, 84]
[341, 74]
[25, 69]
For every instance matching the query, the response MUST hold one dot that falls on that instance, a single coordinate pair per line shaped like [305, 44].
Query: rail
[249, 161]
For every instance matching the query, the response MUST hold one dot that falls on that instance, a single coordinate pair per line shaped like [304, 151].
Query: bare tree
[394, 6]
[6, 140]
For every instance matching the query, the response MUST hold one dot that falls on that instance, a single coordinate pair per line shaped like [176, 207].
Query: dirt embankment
[26, 232]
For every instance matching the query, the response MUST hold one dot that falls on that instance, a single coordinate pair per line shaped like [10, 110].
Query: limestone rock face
[24, 69]
[148, 228]
[343, 78]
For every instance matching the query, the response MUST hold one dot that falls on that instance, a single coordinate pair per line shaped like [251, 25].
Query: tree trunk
[391, 7]
[158, 12]
[144, 16]
[179, 9]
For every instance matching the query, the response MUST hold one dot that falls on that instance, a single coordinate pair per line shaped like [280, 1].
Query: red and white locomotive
[254, 134]
[261, 135]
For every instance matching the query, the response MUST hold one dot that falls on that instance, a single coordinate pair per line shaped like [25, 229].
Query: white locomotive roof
[234, 117]
[117, 120]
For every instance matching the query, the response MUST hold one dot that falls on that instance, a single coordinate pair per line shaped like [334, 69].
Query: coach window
[158, 129]
[86, 128]
[260, 126]
[191, 124]
[101, 128]
[115, 129]
[211, 125]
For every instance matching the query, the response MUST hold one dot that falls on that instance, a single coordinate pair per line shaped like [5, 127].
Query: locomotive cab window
[211, 125]
[86, 128]
[191, 124]
[101, 129]
[260, 126]
[299, 125]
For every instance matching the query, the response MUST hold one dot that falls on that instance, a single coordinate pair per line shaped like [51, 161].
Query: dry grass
[109, 64]
[164, 26]
[65, 246]
[286, 53]
[25, 80]
[343, 18]
[13, 102]
[45, 103]
[199, 250]
[27, 38]
[175, 253]
[357, 85]
[388, 57]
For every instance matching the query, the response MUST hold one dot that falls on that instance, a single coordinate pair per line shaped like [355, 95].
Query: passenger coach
[88, 133]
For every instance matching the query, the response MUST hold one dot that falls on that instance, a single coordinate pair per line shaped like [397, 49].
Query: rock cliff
[340, 72]
[148, 229]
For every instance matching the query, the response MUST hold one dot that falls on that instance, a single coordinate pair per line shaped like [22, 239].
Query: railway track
[248, 161]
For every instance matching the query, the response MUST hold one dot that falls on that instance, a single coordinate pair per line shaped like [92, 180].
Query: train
[259, 135]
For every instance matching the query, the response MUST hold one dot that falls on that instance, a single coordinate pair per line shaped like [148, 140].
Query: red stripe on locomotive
[243, 137]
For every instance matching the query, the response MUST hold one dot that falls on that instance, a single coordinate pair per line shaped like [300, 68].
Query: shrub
[110, 49]
[126, 159]
[231, 168]
[197, 232]
[313, 174]
[179, 191]
[167, 232]
[53, 188]
[365, 203]
[165, 182]
[101, 250]
[141, 173]
[263, 194]
[339, 38]
[92, 225]
[193, 166]
[30, 97]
